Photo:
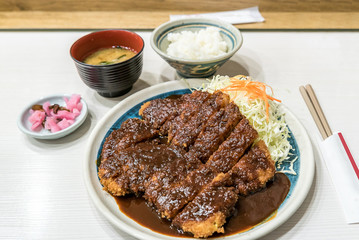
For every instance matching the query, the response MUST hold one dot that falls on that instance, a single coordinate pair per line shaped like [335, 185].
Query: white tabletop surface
[42, 193]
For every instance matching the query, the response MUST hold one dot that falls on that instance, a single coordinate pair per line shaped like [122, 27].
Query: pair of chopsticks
[319, 118]
[315, 110]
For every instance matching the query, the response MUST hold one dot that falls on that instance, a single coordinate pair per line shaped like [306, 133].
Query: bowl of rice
[196, 47]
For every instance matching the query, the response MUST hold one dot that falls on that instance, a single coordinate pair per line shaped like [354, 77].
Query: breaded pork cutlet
[186, 134]
[189, 157]
[173, 199]
[208, 211]
[157, 111]
[129, 171]
[254, 170]
[160, 113]
[217, 129]
[190, 107]
[188, 100]
[233, 148]
[132, 131]
[108, 172]
[176, 171]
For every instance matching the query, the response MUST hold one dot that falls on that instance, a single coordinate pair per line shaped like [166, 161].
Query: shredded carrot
[252, 89]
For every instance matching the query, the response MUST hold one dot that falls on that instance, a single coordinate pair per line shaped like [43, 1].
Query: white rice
[204, 44]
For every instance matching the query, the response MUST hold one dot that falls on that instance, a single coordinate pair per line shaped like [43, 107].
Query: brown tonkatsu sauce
[256, 207]
[250, 210]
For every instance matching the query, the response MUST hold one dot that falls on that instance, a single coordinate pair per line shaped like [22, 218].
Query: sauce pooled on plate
[250, 210]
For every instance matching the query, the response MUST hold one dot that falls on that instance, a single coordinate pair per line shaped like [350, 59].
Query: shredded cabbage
[273, 132]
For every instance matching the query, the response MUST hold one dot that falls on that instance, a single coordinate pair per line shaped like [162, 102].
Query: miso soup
[108, 56]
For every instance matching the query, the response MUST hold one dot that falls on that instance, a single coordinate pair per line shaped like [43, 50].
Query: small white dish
[25, 126]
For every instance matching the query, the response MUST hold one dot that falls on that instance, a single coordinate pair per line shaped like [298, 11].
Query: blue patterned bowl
[196, 68]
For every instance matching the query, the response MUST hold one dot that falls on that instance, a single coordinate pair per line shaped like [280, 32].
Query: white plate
[301, 183]
[25, 126]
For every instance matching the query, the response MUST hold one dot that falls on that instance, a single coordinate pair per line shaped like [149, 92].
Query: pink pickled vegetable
[36, 126]
[36, 119]
[54, 117]
[71, 121]
[72, 102]
[63, 114]
[51, 124]
[64, 123]
[37, 116]
[79, 106]
[76, 112]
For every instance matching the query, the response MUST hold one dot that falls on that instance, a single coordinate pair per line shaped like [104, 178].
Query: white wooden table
[42, 194]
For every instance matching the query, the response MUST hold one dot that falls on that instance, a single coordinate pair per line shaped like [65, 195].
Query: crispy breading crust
[206, 228]
[254, 170]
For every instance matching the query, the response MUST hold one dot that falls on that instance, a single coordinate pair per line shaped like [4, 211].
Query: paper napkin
[344, 173]
[247, 15]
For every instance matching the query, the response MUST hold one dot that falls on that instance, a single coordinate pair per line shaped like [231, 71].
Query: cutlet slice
[157, 111]
[173, 199]
[188, 131]
[207, 213]
[217, 129]
[174, 172]
[108, 171]
[187, 100]
[190, 107]
[233, 148]
[109, 147]
[160, 113]
[132, 131]
[132, 167]
[253, 170]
